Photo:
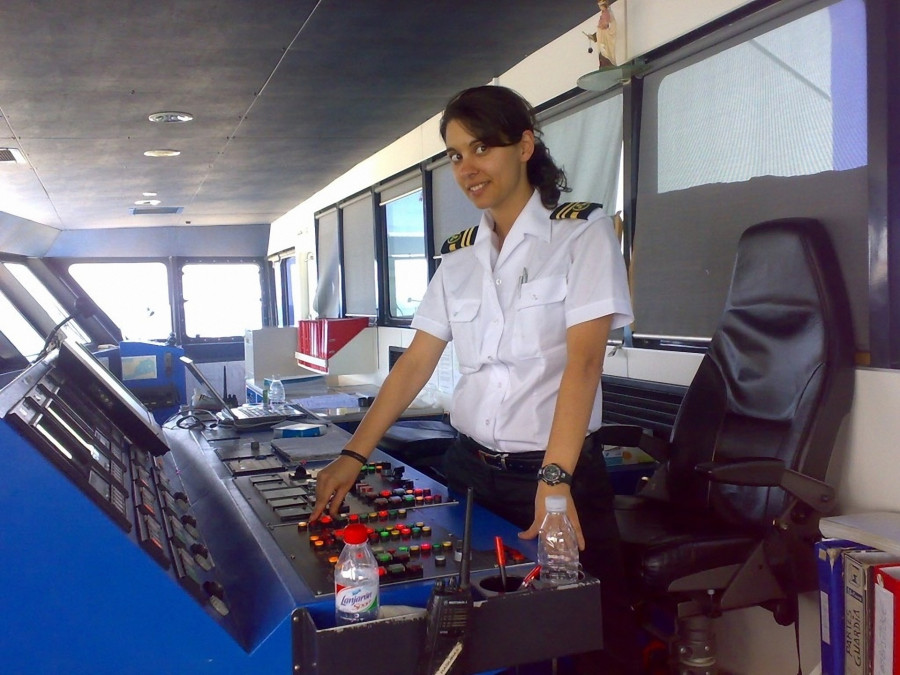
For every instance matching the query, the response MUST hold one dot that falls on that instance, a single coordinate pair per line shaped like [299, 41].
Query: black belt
[520, 462]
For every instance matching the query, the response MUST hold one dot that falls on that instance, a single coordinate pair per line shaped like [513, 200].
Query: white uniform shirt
[507, 313]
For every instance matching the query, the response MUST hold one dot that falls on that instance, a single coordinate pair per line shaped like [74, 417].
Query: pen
[530, 577]
[501, 561]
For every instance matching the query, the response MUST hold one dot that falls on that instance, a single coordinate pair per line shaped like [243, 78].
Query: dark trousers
[511, 496]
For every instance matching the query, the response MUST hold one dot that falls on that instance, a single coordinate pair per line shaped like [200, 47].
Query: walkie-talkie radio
[448, 612]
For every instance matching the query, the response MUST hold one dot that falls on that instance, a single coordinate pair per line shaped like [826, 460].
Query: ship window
[18, 331]
[46, 300]
[769, 125]
[221, 299]
[407, 264]
[134, 295]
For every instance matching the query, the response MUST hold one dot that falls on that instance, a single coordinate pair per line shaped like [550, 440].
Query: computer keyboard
[261, 411]
[254, 411]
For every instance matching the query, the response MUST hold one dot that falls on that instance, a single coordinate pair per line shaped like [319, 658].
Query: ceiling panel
[287, 96]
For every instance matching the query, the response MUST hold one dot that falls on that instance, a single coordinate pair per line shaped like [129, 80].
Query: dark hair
[498, 117]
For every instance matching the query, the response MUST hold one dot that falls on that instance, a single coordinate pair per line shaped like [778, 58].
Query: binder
[886, 631]
[858, 607]
[829, 564]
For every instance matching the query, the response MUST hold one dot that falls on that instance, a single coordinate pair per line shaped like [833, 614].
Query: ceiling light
[149, 194]
[171, 117]
[147, 202]
[162, 153]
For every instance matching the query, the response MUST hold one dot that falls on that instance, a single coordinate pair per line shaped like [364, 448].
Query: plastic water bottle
[276, 392]
[356, 579]
[557, 544]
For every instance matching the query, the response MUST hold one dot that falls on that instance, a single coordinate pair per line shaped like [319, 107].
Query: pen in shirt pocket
[523, 279]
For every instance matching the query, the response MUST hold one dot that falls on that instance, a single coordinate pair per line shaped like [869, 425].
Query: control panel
[93, 430]
[413, 524]
[216, 521]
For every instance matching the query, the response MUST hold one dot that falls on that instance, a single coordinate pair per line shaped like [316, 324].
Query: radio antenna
[465, 564]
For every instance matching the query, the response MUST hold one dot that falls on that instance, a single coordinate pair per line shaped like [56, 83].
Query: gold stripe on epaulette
[460, 240]
[574, 210]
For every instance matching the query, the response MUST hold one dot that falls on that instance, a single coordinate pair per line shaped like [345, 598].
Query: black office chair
[729, 518]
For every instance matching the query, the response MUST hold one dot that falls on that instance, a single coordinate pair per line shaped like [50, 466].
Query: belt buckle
[497, 461]
[502, 458]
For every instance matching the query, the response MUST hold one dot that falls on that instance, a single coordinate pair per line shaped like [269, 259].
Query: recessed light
[147, 202]
[149, 194]
[162, 153]
[171, 117]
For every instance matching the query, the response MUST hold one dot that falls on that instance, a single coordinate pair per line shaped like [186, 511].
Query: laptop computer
[247, 416]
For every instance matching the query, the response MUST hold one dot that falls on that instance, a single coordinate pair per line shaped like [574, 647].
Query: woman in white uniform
[528, 299]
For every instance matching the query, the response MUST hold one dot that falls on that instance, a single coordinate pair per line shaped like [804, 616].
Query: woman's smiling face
[493, 177]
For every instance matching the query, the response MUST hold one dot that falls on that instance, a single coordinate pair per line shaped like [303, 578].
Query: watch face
[551, 473]
[554, 474]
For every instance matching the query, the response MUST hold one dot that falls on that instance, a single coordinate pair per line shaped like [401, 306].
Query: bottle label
[356, 599]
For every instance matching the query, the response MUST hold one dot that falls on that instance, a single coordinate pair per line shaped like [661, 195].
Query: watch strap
[355, 455]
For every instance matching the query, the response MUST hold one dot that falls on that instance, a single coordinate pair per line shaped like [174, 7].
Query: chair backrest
[778, 377]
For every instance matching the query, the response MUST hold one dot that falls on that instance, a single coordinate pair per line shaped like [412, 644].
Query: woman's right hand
[333, 483]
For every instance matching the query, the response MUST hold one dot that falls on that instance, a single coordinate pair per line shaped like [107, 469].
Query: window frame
[283, 267]
[395, 184]
[339, 269]
[228, 348]
[735, 28]
[266, 280]
[347, 280]
[33, 310]
[64, 273]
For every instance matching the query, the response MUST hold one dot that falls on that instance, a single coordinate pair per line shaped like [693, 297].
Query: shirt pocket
[540, 317]
[467, 336]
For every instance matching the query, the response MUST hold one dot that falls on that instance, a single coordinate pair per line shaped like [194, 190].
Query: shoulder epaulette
[573, 210]
[460, 240]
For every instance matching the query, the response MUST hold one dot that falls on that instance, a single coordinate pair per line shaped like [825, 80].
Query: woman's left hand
[540, 511]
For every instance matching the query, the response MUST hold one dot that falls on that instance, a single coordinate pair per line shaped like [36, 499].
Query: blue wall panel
[79, 596]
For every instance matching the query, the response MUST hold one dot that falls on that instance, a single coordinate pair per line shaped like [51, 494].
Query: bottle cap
[355, 533]
[555, 503]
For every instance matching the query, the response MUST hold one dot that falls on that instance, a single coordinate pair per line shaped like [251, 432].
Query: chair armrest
[656, 447]
[755, 471]
[770, 472]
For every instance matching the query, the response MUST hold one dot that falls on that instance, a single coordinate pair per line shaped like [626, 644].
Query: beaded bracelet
[355, 455]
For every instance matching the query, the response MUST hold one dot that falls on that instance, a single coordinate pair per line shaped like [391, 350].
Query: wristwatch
[554, 474]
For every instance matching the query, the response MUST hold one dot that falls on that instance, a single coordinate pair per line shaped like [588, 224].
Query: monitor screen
[112, 396]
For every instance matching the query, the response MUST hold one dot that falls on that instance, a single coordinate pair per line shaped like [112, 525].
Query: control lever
[448, 611]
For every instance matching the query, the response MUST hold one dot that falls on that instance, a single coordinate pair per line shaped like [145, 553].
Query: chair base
[695, 646]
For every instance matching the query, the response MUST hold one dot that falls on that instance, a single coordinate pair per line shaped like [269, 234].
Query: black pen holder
[488, 587]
